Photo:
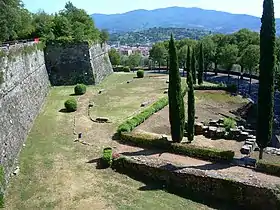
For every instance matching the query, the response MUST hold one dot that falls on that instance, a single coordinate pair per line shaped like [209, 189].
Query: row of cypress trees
[266, 84]
[176, 98]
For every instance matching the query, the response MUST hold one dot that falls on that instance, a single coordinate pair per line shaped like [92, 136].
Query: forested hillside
[153, 35]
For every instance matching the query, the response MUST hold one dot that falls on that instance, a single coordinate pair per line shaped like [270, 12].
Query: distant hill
[178, 17]
[153, 35]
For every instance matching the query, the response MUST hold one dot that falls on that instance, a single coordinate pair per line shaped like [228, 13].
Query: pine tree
[191, 108]
[193, 68]
[201, 65]
[188, 62]
[176, 101]
[266, 78]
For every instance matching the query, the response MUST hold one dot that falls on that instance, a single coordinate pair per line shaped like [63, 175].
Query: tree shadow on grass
[143, 152]
[156, 185]
[65, 111]
[98, 162]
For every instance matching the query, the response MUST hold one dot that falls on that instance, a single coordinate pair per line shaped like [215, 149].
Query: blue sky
[252, 7]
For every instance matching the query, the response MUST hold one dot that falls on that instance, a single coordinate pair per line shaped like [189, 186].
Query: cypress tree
[176, 101]
[191, 108]
[201, 65]
[193, 67]
[188, 62]
[266, 78]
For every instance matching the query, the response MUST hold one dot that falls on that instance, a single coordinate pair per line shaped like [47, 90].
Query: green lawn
[54, 173]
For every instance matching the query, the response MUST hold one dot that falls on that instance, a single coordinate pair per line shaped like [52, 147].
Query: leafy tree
[188, 64]
[201, 65]
[193, 67]
[9, 19]
[176, 101]
[61, 26]
[209, 51]
[115, 57]
[229, 55]
[191, 108]
[104, 36]
[43, 24]
[182, 56]
[24, 27]
[134, 60]
[220, 40]
[266, 77]
[158, 53]
[250, 59]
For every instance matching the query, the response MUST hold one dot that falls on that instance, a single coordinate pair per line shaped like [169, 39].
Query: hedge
[268, 167]
[150, 141]
[80, 89]
[230, 88]
[71, 105]
[130, 124]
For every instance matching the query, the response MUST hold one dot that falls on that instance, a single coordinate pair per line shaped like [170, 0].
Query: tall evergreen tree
[176, 101]
[201, 65]
[193, 67]
[266, 78]
[191, 108]
[188, 62]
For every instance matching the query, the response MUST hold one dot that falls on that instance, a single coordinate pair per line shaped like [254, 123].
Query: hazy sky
[251, 7]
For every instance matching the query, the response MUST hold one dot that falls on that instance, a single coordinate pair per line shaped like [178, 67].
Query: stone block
[198, 128]
[212, 131]
[145, 103]
[243, 136]
[220, 133]
[246, 149]
[213, 123]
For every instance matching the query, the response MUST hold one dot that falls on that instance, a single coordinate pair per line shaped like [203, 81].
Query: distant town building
[128, 50]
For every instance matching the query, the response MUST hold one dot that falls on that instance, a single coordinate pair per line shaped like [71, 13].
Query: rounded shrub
[126, 69]
[140, 73]
[71, 105]
[229, 123]
[80, 89]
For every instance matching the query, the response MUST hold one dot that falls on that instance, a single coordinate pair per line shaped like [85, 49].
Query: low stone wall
[206, 184]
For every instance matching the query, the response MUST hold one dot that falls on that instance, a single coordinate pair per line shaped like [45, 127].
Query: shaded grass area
[54, 173]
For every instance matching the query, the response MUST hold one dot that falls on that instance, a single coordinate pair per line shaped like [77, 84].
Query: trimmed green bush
[268, 168]
[126, 69]
[150, 141]
[229, 88]
[229, 123]
[107, 157]
[133, 122]
[80, 89]
[71, 105]
[140, 73]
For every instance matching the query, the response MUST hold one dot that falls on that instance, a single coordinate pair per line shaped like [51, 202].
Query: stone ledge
[208, 184]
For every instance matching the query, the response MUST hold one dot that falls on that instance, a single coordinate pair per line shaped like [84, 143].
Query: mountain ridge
[181, 17]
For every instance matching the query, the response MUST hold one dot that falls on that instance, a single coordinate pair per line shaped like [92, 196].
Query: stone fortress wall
[26, 74]
[70, 64]
[23, 88]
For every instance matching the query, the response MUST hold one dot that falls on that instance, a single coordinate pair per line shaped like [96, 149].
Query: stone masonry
[24, 87]
[70, 64]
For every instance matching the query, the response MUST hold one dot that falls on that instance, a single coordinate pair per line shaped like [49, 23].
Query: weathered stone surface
[221, 120]
[198, 128]
[213, 123]
[248, 193]
[22, 95]
[235, 132]
[220, 133]
[70, 64]
[212, 131]
[243, 136]
[246, 149]
[146, 103]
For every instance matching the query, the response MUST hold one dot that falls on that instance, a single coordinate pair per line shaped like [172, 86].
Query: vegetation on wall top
[69, 24]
